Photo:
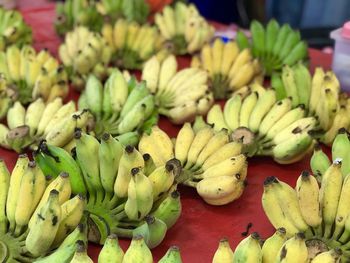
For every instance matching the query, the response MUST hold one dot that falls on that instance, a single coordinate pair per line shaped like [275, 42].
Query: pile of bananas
[274, 46]
[127, 193]
[185, 30]
[13, 29]
[320, 94]
[132, 44]
[84, 52]
[37, 213]
[212, 163]
[266, 125]
[229, 68]
[138, 252]
[53, 121]
[32, 75]
[179, 95]
[119, 107]
[92, 14]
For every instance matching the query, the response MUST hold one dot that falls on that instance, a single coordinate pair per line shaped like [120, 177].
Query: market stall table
[200, 226]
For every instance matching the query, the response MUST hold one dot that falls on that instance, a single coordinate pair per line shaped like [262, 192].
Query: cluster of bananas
[131, 43]
[54, 122]
[32, 75]
[179, 95]
[275, 46]
[37, 213]
[84, 52]
[212, 163]
[127, 193]
[266, 125]
[13, 29]
[320, 94]
[229, 68]
[185, 30]
[120, 107]
[93, 13]
[137, 252]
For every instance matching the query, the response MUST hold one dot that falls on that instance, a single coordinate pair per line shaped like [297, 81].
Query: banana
[149, 164]
[316, 86]
[33, 115]
[111, 251]
[242, 59]
[207, 59]
[46, 221]
[229, 55]
[157, 230]
[289, 81]
[340, 120]
[293, 250]
[248, 250]
[162, 178]
[172, 256]
[140, 195]
[131, 158]
[244, 75]
[16, 115]
[319, 162]
[4, 186]
[61, 112]
[167, 71]
[169, 20]
[13, 57]
[343, 209]
[330, 256]
[247, 107]
[223, 253]
[217, 55]
[151, 73]
[302, 80]
[340, 149]
[138, 252]
[272, 245]
[120, 33]
[232, 112]
[80, 254]
[307, 190]
[183, 143]
[216, 118]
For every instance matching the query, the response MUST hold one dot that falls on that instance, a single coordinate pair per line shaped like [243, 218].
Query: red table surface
[200, 226]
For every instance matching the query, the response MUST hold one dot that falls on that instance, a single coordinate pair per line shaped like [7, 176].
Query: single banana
[4, 187]
[138, 252]
[171, 256]
[223, 253]
[216, 118]
[272, 245]
[248, 250]
[247, 107]
[232, 112]
[293, 250]
[111, 251]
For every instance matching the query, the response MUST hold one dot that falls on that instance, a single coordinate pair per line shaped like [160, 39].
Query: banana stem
[121, 232]
[190, 183]
[118, 209]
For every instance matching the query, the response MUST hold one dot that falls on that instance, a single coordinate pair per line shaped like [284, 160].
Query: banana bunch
[127, 193]
[7, 96]
[179, 95]
[73, 13]
[319, 93]
[120, 107]
[37, 214]
[229, 68]
[137, 252]
[185, 30]
[132, 10]
[13, 29]
[55, 122]
[131, 43]
[33, 75]
[275, 46]
[266, 125]
[212, 162]
[84, 52]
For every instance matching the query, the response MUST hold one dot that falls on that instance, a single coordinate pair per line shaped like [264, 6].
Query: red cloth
[200, 226]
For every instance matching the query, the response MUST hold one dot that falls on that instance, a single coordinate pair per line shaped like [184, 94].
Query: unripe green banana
[319, 162]
[248, 250]
[138, 252]
[80, 255]
[172, 256]
[111, 251]
[340, 149]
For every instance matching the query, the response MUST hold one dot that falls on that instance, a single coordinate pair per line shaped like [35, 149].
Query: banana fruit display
[33, 75]
[127, 193]
[274, 45]
[37, 214]
[84, 52]
[13, 29]
[137, 252]
[121, 106]
[229, 68]
[319, 93]
[185, 30]
[179, 95]
[132, 44]
[54, 122]
[267, 126]
[212, 162]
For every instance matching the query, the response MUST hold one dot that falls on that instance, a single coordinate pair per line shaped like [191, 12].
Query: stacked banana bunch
[37, 214]
[266, 125]
[132, 44]
[73, 13]
[33, 75]
[179, 95]
[53, 121]
[13, 29]
[229, 68]
[127, 193]
[84, 52]
[137, 252]
[274, 45]
[212, 163]
[319, 93]
[119, 107]
[185, 30]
